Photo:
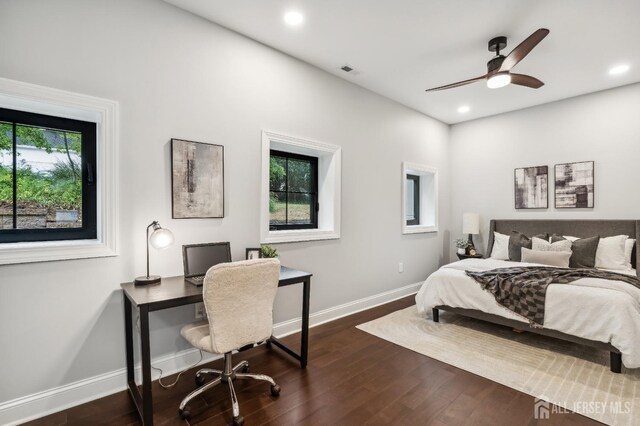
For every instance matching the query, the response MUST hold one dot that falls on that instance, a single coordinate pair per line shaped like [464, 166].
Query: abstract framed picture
[197, 180]
[531, 187]
[574, 185]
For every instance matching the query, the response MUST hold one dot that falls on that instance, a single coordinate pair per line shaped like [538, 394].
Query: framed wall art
[197, 180]
[574, 185]
[253, 253]
[531, 187]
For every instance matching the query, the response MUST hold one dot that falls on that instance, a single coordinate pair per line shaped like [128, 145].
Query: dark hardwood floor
[353, 378]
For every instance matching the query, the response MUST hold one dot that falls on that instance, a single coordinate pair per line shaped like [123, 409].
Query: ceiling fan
[499, 68]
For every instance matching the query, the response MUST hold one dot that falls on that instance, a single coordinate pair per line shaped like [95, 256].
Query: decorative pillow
[500, 248]
[543, 245]
[610, 253]
[628, 252]
[517, 241]
[584, 250]
[551, 258]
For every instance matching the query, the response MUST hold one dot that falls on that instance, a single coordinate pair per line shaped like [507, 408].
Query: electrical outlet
[400, 267]
[200, 311]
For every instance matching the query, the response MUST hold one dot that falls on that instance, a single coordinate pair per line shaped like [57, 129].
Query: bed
[604, 315]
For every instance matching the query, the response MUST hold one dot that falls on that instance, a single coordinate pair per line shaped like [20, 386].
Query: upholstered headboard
[575, 228]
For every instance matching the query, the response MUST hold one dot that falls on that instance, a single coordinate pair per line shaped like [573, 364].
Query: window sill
[419, 229]
[297, 235]
[44, 251]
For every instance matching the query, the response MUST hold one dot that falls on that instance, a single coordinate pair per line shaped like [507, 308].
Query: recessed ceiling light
[619, 69]
[464, 109]
[293, 18]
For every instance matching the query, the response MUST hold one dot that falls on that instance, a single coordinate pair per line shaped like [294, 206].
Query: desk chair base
[228, 375]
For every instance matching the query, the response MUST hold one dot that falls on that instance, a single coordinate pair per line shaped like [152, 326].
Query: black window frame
[314, 193]
[88, 130]
[416, 200]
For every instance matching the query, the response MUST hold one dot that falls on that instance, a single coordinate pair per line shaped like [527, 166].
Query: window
[293, 191]
[419, 198]
[47, 178]
[300, 189]
[413, 200]
[91, 126]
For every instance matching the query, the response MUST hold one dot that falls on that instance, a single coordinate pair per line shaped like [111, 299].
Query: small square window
[300, 189]
[293, 191]
[47, 188]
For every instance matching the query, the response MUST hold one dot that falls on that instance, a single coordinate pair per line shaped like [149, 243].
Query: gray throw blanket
[523, 289]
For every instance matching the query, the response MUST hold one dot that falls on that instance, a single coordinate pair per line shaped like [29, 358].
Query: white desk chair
[238, 298]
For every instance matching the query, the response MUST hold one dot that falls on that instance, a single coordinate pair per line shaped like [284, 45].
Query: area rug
[571, 376]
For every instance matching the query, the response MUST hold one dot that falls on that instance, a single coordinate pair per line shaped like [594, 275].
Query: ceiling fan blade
[526, 80]
[523, 49]
[458, 84]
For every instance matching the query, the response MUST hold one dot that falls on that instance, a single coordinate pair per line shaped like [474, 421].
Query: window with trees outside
[293, 191]
[47, 178]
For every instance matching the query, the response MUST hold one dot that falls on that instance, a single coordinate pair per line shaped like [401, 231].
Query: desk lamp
[160, 238]
[471, 225]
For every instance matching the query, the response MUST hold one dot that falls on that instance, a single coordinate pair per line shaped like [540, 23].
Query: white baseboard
[51, 401]
[285, 328]
[40, 404]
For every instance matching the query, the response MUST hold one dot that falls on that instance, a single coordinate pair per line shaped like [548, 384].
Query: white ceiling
[401, 47]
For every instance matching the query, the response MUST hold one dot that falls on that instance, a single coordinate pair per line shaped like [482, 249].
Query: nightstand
[468, 256]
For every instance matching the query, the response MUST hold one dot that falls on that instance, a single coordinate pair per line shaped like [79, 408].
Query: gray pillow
[551, 258]
[517, 241]
[584, 251]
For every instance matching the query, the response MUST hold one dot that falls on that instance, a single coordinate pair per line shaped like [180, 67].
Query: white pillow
[500, 249]
[628, 251]
[539, 244]
[610, 253]
[551, 258]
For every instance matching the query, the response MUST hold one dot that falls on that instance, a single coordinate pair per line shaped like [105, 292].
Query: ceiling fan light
[498, 80]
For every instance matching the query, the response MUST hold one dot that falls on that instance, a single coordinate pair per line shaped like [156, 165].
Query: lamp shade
[470, 223]
[161, 238]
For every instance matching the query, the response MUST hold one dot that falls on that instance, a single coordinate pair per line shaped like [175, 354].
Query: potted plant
[462, 246]
[267, 251]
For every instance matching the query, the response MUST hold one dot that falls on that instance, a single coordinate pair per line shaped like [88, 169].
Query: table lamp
[160, 238]
[471, 225]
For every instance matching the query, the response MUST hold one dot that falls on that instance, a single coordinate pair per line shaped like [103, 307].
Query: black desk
[175, 291]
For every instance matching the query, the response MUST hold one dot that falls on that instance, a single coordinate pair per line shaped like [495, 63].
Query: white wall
[603, 127]
[176, 75]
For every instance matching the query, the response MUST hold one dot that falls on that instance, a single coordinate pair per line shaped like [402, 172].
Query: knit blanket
[523, 289]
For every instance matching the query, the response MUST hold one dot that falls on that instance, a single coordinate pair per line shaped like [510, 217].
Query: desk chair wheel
[238, 421]
[199, 380]
[245, 369]
[269, 344]
[185, 414]
[275, 390]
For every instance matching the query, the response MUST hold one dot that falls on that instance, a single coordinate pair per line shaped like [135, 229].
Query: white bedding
[594, 309]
